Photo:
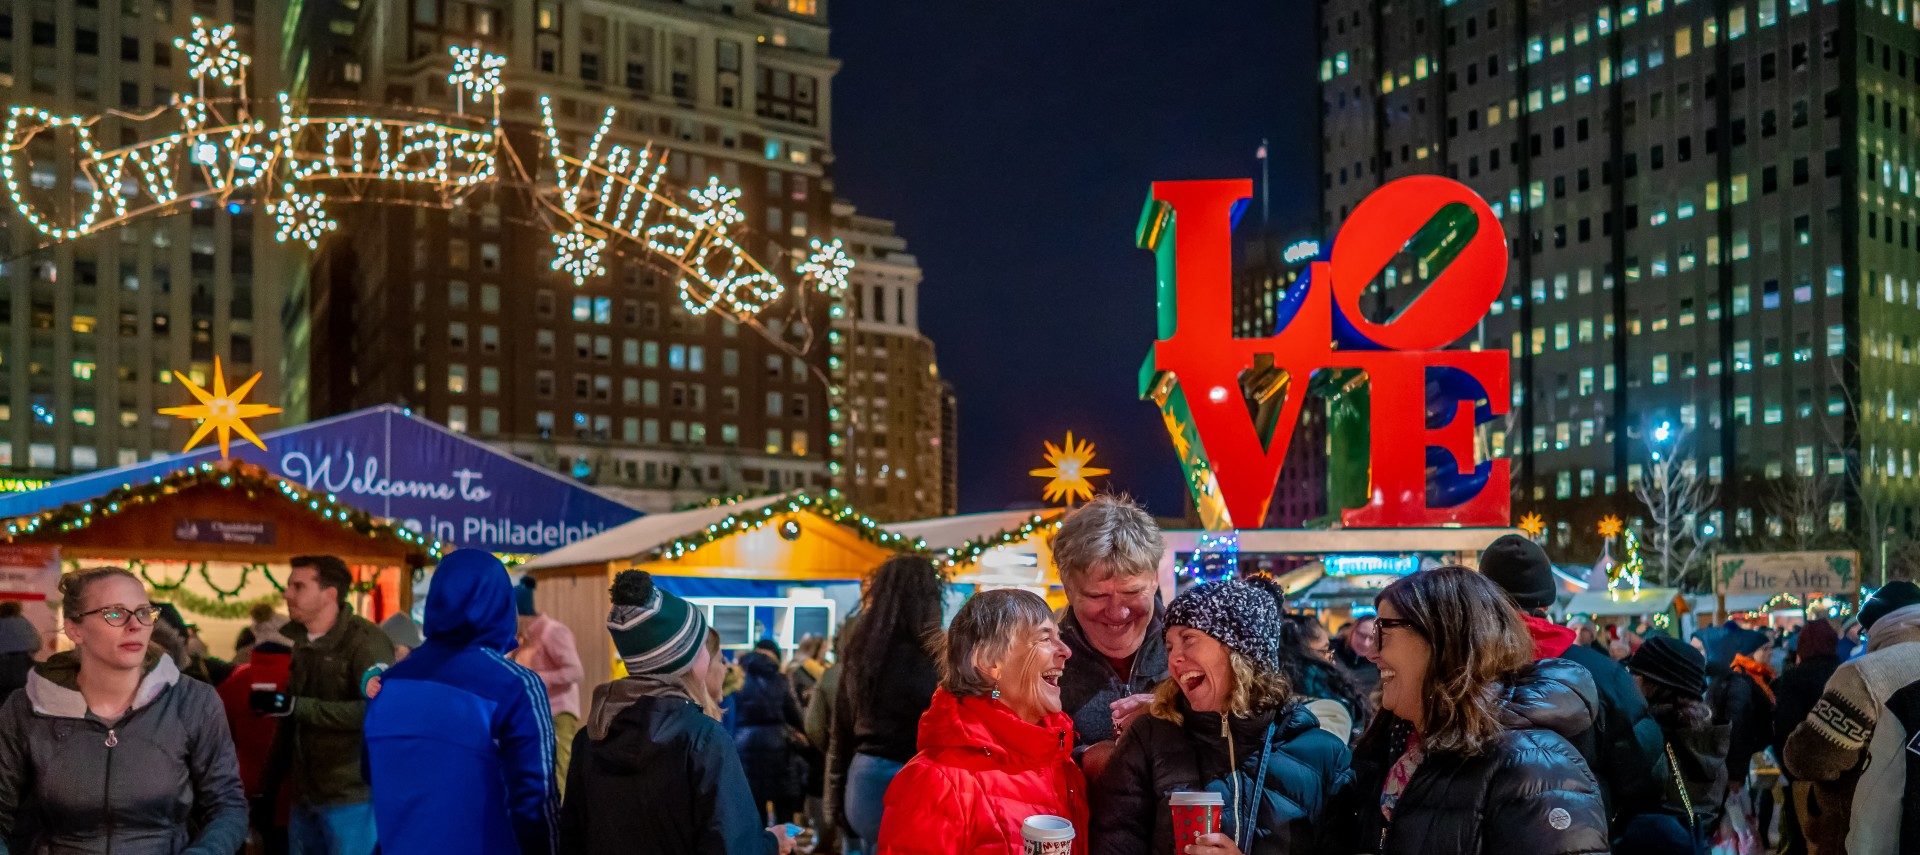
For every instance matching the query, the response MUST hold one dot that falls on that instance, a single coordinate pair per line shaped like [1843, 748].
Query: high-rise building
[1708, 209]
[457, 312]
[897, 413]
[1270, 261]
[92, 326]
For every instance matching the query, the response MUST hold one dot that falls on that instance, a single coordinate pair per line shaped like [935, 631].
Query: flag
[1262, 153]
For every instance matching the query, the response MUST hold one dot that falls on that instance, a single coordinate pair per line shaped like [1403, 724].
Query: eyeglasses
[118, 616]
[1391, 623]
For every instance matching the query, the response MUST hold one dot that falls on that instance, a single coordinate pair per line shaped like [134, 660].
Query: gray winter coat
[160, 781]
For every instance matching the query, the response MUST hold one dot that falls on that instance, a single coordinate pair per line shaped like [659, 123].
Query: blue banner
[386, 462]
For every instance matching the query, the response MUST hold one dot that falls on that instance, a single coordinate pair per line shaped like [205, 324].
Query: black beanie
[1666, 662]
[1520, 566]
[1897, 594]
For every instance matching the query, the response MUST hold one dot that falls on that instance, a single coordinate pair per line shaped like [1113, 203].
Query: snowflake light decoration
[302, 217]
[213, 53]
[578, 255]
[829, 265]
[715, 206]
[476, 73]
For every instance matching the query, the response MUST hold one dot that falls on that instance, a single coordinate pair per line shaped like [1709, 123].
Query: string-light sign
[294, 164]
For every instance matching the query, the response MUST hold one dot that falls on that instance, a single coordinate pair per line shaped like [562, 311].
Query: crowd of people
[1456, 717]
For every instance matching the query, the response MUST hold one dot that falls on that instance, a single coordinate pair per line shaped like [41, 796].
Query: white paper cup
[1047, 835]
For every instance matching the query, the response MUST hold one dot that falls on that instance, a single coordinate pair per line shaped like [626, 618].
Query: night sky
[1013, 143]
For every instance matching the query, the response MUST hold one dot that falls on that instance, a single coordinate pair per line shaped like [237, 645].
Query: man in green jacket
[319, 749]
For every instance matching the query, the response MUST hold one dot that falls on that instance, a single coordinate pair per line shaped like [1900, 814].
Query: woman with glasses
[1469, 753]
[108, 748]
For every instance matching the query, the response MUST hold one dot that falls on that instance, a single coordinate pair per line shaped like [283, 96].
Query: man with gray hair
[1108, 553]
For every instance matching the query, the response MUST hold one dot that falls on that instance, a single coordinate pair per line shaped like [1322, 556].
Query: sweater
[1843, 744]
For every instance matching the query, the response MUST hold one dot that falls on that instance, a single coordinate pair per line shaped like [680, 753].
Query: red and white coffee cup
[1194, 815]
[1045, 834]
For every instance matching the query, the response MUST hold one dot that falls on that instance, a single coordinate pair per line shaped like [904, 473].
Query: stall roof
[644, 535]
[388, 462]
[956, 531]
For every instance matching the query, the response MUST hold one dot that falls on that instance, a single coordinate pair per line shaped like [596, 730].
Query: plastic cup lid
[1184, 797]
[1045, 827]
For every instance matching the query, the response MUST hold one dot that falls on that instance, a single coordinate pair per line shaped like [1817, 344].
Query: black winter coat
[1794, 695]
[1702, 756]
[1527, 793]
[765, 714]
[1306, 767]
[662, 779]
[1739, 702]
[1628, 759]
[882, 724]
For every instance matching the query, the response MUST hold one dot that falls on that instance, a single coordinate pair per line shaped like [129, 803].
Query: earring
[996, 694]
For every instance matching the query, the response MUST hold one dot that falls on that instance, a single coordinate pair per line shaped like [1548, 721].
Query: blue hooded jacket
[459, 741]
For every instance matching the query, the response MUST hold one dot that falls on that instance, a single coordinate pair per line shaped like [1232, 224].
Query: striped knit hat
[654, 631]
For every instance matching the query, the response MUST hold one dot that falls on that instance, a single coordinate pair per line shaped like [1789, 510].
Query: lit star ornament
[476, 73]
[1533, 524]
[1610, 526]
[213, 53]
[578, 255]
[302, 217]
[715, 206]
[829, 265]
[1068, 470]
[221, 411]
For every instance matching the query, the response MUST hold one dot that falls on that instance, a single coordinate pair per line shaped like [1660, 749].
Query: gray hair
[985, 629]
[1109, 536]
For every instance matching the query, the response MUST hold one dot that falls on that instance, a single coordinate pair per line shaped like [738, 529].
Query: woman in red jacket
[995, 748]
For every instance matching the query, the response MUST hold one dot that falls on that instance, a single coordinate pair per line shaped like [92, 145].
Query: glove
[267, 702]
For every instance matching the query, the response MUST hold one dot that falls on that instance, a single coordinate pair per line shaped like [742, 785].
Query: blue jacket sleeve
[719, 782]
[525, 736]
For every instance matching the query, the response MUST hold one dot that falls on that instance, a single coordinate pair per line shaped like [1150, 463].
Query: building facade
[1707, 206]
[92, 327]
[898, 461]
[457, 312]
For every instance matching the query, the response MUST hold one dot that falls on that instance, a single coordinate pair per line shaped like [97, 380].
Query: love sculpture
[1231, 403]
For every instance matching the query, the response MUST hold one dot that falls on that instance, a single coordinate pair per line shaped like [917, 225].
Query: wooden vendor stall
[214, 539]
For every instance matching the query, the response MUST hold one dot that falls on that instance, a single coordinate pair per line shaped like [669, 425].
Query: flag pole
[1266, 182]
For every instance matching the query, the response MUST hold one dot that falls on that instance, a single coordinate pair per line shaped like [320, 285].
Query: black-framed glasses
[119, 615]
[1390, 623]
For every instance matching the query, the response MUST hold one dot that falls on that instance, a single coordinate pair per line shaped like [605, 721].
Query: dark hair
[9, 608]
[986, 627]
[1479, 644]
[333, 573]
[261, 612]
[1308, 673]
[1676, 711]
[901, 606]
[73, 587]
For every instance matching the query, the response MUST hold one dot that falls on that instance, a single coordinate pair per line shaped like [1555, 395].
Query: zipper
[106, 795]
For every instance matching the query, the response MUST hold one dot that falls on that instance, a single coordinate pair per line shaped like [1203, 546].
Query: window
[457, 295]
[457, 379]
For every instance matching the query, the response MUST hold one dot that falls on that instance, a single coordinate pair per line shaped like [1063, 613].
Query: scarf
[1401, 775]
[1762, 674]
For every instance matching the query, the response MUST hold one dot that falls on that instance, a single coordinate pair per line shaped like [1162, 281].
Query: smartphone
[792, 830]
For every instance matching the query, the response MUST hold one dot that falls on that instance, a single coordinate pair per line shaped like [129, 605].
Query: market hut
[214, 539]
[777, 566]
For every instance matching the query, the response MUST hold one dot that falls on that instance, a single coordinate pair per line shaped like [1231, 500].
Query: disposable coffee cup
[1047, 835]
[265, 687]
[1194, 814]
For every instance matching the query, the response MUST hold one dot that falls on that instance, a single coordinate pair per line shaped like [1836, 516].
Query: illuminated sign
[295, 164]
[1300, 251]
[1232, 403]
[21, 485]
[1370, 565]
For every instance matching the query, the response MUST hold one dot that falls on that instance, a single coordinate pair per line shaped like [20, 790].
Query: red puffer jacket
[982, 771]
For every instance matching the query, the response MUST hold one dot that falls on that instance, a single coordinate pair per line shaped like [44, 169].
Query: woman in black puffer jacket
[767, 716]
[1469, 753]
[1225, 721]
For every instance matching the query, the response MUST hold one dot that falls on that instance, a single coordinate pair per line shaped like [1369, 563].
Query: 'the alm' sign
[1789, 572]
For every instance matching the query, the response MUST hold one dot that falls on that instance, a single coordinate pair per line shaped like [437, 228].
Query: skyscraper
[458, 312]
[1707, 206]
[899, 449]
[92, 326]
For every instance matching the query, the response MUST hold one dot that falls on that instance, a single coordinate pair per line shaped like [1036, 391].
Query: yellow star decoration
[221, 411]
[1610, 526]
[1180, 443]
[1533, 524]
[1068, 470]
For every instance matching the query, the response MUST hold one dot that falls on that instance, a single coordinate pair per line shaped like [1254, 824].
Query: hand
[1127, 710]
[267, 702]
[1213, 844]
[779, 833]
[373, 688]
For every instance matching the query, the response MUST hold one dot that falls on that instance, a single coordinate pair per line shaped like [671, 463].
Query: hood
[1553, 694]
[985, 726]
[54, 685]
[471, 602]
[612, 699]
[1549, 639]
[1895, 627]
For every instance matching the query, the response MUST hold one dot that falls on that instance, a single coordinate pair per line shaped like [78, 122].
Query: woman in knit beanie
[652, 774]
[1673, 678]
[1224, 721]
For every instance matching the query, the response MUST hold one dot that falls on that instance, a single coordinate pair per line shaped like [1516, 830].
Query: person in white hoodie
[1856, 743]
